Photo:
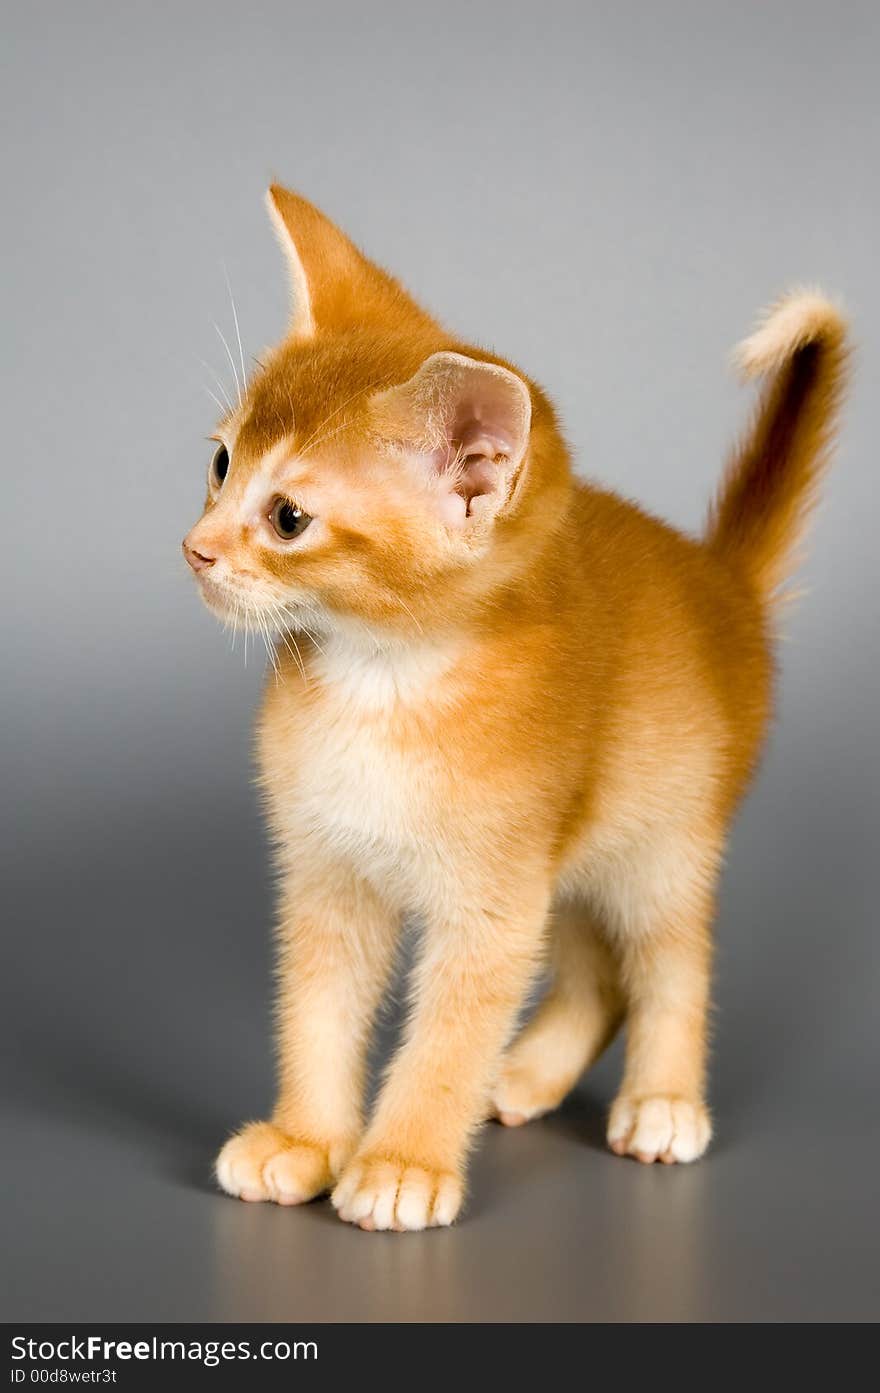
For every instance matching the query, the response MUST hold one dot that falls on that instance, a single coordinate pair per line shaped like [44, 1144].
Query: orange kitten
[508, 703]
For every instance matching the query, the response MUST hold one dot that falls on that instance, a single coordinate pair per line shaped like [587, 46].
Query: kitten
[508, 703]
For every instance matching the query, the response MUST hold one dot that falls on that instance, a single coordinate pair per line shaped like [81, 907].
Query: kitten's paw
[521, 1094]
[263, 1163]
[378, 1192]
[659, 1129]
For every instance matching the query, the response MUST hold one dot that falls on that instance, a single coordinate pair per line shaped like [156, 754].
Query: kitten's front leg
[475, 969]
[336, 943]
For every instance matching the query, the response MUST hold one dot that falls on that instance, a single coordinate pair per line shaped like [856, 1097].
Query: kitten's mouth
[221, 599]
[260, 614]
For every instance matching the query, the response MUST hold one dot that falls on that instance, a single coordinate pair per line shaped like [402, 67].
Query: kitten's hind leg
[665, 946]
[572, 1026]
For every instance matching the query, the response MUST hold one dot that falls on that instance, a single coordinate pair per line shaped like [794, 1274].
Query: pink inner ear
[475, 466]
[468, 423]
[477, 459]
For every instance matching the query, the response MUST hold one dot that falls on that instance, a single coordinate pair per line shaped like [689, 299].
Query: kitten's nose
[197, 559]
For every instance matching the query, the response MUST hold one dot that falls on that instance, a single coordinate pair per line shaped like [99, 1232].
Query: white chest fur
[355, 769]
[381, 682]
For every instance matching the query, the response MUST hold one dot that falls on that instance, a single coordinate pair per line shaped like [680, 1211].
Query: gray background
[607, 193]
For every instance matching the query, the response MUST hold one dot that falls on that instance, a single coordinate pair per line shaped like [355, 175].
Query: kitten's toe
[261, 1162]
[378, 1193]
[659, 1129]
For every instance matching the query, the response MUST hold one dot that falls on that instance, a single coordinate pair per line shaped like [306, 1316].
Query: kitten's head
[377, 476]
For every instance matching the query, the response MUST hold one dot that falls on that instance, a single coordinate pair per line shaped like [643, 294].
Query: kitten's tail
[770, 485]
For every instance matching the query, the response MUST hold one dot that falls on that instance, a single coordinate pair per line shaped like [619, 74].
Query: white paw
[659, 1129]
[378, 1193]
[263, 1163]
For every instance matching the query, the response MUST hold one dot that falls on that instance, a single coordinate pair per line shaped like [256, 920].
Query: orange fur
[506, 702]
[771, 483]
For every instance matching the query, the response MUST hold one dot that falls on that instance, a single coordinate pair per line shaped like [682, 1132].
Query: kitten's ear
[333, 285]
[465, 425]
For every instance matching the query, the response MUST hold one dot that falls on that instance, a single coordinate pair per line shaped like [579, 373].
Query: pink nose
[197, 559]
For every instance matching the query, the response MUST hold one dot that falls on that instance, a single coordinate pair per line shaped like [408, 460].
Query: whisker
[287, 638]
[219, 332]
[237, 330]
[302, 666]
[276, 612]
[314, 639]
[322, 440]
[286, 641]
[328, 435]
[270, 647]
[218, 379]
[311, 442]
[220, 407]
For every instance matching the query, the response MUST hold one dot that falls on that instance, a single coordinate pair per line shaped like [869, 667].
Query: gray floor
[115, 1221]
[140, 1037]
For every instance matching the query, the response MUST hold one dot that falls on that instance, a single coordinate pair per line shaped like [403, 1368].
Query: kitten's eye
[219, 466]
[287, 519]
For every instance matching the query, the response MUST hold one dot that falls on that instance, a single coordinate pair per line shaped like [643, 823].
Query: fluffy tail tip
[802, 317]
